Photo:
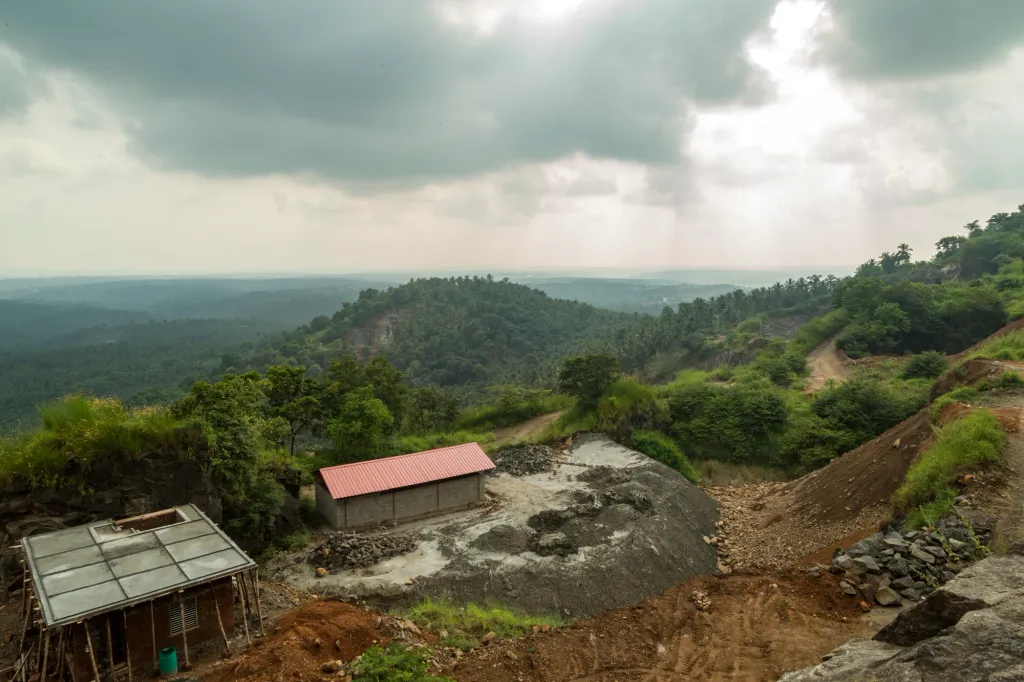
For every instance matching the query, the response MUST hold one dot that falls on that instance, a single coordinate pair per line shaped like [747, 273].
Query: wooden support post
[220, 621]
[152, 629]
[127, 650]
[245, 619]
[46, 655]
[259, 604]
[184, 637]
[24, 626]
[92, 657]
[24, 587]
[110, 646]
[61, 645]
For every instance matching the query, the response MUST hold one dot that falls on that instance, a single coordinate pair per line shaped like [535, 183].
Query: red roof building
[402, 488]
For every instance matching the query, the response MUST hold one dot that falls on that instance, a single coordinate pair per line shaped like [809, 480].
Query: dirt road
[527, 429]
[755, 628]
[824, 363]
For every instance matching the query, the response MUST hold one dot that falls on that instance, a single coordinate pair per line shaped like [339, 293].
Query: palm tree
[902, 254]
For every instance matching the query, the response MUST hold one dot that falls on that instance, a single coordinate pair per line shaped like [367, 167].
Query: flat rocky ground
[598, 527]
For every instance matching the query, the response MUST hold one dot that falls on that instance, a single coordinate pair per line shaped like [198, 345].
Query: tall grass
[75, 431]
[466, 625]
[661, 448]
[1008, 347]
[927, 490]
[715, 472]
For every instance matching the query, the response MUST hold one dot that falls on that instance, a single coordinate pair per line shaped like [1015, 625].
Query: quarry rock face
[971, 630]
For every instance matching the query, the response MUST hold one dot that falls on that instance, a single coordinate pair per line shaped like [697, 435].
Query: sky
[337, 136]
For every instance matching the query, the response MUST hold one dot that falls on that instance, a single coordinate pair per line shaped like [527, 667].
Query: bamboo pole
[92, 658]
[245, 620]
[24, 626]
[127, 650]
[24, 587]
[184, 637]
[152, 627]
[220, 621]
[61, 647]
[255, 575]
[110, 646]
[46, 656]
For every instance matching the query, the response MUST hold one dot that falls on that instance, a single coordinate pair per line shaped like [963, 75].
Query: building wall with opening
[135, 628]
[403, 504]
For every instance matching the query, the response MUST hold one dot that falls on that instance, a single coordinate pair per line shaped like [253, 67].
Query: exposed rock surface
[971, 630]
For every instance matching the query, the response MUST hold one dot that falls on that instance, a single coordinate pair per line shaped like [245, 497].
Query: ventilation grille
[191, 621]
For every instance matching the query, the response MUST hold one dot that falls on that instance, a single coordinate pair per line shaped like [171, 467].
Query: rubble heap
[891, 567]
[523, 460]
[353, 550]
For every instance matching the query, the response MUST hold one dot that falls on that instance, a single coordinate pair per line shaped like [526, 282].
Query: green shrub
[963, 394]
[629, 404]
[394, 664]
[959, 446]
[867, 408]
[307, 510]
[722, 373]
[467, 624]
[927, 365]
[293, 542]
[733, 423]
[660, 447]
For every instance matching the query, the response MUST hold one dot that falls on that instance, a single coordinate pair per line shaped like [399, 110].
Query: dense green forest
[391, 371]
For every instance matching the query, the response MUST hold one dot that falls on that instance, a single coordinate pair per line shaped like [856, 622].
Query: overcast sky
[188, 136]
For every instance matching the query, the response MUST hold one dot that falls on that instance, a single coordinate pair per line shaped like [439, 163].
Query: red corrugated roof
[388, 473]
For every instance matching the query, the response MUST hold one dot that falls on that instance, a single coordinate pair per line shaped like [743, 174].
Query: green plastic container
[168, 661]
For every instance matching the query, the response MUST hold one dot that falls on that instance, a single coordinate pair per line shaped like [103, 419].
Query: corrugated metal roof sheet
[388, 473]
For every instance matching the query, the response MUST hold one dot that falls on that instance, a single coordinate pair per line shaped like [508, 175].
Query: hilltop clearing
[599, 527]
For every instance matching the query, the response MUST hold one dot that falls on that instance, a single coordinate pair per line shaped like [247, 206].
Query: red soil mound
[305, 639]
[755, 628]
[864, 477]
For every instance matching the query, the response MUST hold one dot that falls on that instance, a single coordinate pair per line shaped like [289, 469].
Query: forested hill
[471, 332]
[457, 332]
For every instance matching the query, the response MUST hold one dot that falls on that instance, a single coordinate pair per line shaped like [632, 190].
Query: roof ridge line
[408, 454]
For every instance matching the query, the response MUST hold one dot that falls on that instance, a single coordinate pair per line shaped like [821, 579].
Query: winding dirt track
[824, 363]
[527, 429]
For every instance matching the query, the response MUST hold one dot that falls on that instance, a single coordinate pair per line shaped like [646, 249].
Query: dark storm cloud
[388, 92]
[899, 39]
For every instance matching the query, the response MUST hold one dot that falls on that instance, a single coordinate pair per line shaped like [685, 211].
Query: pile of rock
[352, 550]
[892, 566]
[523, 460]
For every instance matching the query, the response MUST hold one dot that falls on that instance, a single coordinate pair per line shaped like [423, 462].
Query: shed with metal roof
[104, 598]
[402, 488]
